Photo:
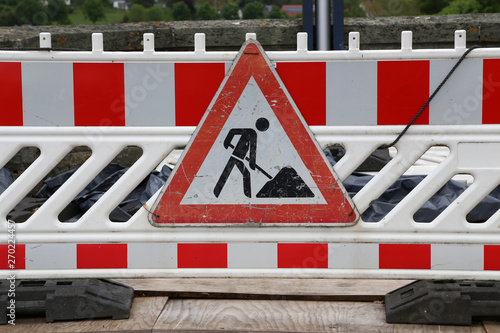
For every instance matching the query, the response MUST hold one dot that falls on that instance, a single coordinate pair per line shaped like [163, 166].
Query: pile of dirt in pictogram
[286, 184]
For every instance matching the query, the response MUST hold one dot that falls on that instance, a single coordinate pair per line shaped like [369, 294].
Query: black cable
[431, 97]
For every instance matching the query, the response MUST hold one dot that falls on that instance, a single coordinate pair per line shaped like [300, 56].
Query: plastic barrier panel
[429, 212]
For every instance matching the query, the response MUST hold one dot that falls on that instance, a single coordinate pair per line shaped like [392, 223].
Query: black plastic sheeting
[430, 210]
[353, 184]
[103, 182]
[6, 179]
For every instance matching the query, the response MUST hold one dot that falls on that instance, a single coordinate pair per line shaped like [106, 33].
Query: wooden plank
[312, 289]
[195, 315]
[143, 315]
[492, 326]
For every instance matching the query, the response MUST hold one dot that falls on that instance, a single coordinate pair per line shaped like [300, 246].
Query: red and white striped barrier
[255, 255]
[164, 92]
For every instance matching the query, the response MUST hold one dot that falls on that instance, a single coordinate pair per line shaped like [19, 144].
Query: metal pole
[308, 22]
[338, 24]
[323, 24]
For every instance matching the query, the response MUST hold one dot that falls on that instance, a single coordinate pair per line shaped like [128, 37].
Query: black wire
[430, 98]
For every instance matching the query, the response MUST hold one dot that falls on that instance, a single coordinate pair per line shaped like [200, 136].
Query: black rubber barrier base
[60, 300]
[445, 302]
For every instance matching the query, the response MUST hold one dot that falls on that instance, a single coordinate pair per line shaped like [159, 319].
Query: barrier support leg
[443, 302]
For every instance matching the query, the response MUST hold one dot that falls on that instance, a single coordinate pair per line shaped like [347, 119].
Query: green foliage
[168, 14]
[398, 8]
[7, 16]
[276, 13]
[230, 11]
[58, 11]
[433, 6]
[253, 10]
[181, 12]
[207, 12]
[352, 8]
[154, 14]
[32, 12]
[462, 7]
[243, 3]
[471, 6]
[490, 6]
[144, 3]
[8, 3]
[136, 13]
[94, 10]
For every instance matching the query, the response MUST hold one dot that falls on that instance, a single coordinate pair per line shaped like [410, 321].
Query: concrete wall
[376, 33]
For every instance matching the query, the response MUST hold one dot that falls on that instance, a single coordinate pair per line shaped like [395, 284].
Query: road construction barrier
[110, 100]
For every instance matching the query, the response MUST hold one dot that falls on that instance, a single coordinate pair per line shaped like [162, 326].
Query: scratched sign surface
[253, 159]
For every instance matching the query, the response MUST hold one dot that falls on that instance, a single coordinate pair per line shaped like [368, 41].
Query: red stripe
[306, 83]
[302, 255]
[101, 256]
[99, 91]
[13, 257]
[202, 255]
[492, 257]
[402, 89]
[11, 94]
[404, 256]
[491, 91]
[195, 87]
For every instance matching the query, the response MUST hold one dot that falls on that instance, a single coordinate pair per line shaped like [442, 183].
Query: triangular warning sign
[253, 159]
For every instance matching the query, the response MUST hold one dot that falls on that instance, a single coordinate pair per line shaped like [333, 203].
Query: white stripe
[353, 256]
[252, 255]
[460, 100]
[351, 93]
[51, 256]
[48, 94]
[457, 257]
[152, 255]
[149, 94]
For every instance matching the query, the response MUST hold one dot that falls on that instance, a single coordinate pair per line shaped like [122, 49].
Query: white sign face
[252, 133]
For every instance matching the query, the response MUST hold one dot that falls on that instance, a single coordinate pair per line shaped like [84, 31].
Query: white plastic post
[251, 35]
[302, 41]
[149, 42]
[97, 43]
[199, 42]
[45, 40]
[406, 40]
[460, 39]
[354, 41]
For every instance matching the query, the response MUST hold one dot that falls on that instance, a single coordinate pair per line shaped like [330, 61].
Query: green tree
[253, 10]
[275, 13]
[168, 14]
[58, 11]
[243, 3]
[398, 8]
[144, 3]
[32, 12]
[181, 12]
[352, 8]
[7, 16]
[433, 6]
[94, 10]
[462, 7]
[136, 13]
[154, 14]
[490, 6]
[230, 11]
[207, 12]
